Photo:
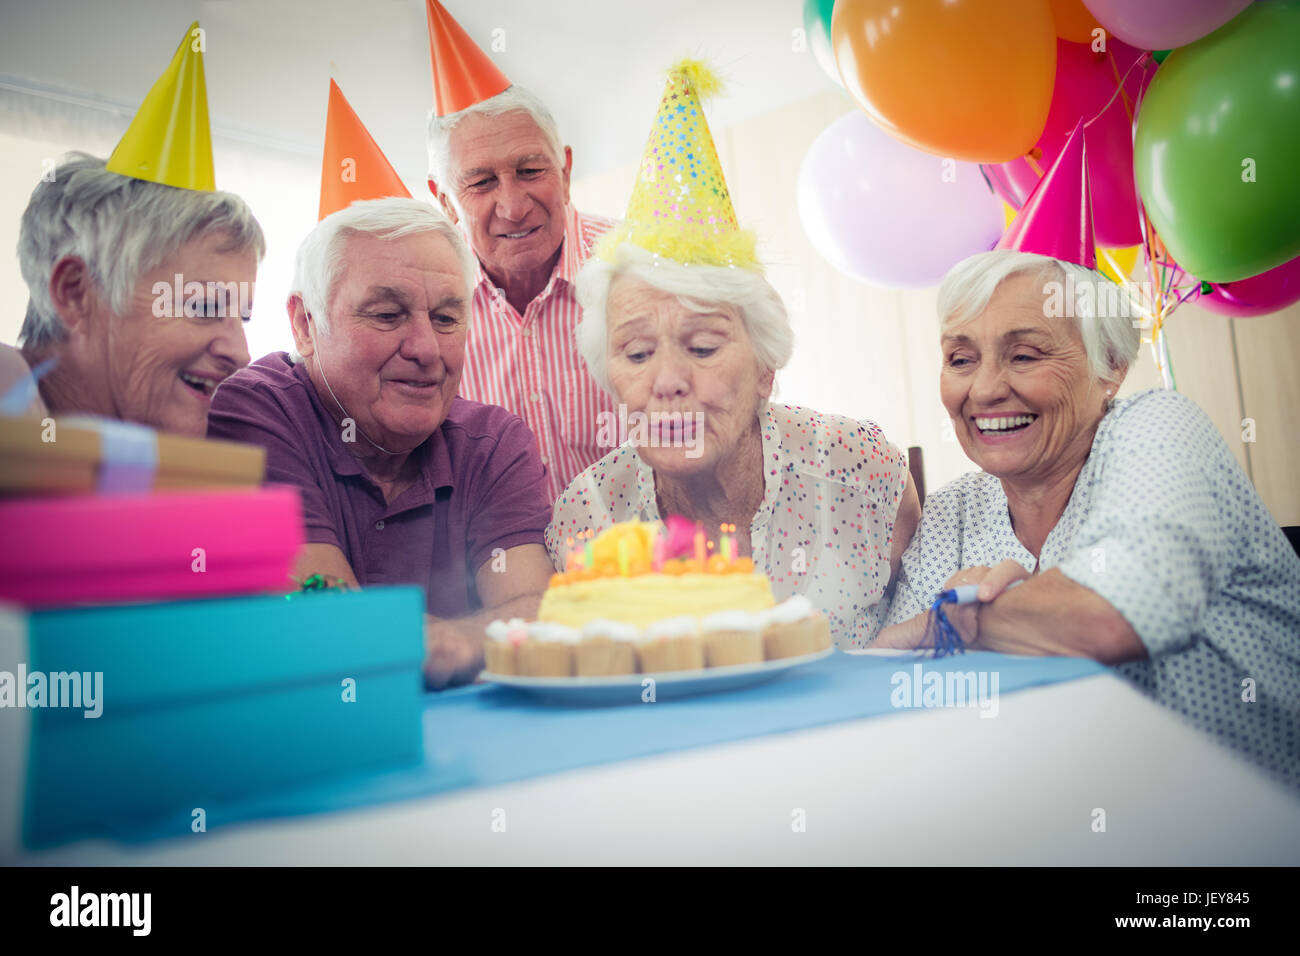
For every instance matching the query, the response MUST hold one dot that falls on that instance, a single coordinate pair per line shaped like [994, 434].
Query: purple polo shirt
[482, 485]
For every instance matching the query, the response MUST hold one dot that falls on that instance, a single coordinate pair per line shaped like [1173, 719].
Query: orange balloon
[1073, 21]
[966, 79]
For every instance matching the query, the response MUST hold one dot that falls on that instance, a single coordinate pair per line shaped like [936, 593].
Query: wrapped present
[49, 456]
[113, 718]
[104, 548]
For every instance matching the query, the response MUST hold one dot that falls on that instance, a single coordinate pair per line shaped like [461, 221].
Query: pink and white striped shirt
[530, 364]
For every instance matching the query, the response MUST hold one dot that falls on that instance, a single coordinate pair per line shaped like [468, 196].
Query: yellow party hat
[680, 208]
[169, 140]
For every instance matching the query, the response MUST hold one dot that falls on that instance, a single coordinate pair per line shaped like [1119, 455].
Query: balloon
[1160, 24]
[968, 79]
[817, 27]
[1217, 146]
[1073, 21]
[1117, 264]
[1085, 84]
[883, 212]
[1259, 295]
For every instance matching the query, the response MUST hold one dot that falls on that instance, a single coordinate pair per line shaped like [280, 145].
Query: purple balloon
[1163, 24]
[1259, 295]
[891, 215]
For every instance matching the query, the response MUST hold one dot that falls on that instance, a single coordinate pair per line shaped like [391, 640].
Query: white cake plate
[635, 689]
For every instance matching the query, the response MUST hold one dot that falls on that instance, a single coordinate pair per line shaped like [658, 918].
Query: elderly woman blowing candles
[681, 327]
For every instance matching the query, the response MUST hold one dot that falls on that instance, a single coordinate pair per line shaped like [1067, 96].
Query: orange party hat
[462, 73]
[169, 141]
[353, 166]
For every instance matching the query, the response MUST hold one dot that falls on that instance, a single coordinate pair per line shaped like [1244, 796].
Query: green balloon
[817, 29]
[1217, 147]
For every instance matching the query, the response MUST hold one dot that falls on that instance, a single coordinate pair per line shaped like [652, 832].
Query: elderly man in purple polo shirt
[402, 482]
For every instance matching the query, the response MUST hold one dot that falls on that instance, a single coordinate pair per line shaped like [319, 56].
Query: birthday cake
[651, 597]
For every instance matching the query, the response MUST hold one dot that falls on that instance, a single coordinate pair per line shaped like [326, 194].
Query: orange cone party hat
[353, 166]
[462, 73]
[1056, 219]
[169, 141]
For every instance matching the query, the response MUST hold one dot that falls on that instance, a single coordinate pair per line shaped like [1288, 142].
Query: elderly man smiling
[402, 482]
[499, 168]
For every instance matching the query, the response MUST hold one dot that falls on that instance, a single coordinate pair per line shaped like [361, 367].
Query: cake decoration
[644, 597]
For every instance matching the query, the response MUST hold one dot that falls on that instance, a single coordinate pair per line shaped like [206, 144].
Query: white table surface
[919, 787]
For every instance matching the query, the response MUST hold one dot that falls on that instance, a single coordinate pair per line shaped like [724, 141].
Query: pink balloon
[1259, 295]
[887, 213]
[1085, 83]
[1163, 24]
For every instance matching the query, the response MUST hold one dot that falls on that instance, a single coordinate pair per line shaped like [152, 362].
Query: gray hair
[319, 260]
[1101, 309]
[698, 288]
[512, 99]
[120, 227]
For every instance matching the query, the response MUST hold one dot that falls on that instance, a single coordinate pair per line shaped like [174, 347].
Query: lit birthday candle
[657, 551]
[623, 559]
[725, 544]
[699, 544]
[588, 552]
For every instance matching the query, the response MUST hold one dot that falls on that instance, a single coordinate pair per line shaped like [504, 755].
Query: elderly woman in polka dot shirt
[1131, 533]
[823, 504]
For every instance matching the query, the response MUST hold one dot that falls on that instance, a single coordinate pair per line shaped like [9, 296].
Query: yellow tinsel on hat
[680, 207]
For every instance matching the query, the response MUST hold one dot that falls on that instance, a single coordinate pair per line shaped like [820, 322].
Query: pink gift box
[98, 549]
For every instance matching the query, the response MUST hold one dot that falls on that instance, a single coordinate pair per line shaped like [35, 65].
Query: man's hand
[451, 656]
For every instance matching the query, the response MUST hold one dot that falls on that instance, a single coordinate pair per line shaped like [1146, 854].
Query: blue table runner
[484, 735]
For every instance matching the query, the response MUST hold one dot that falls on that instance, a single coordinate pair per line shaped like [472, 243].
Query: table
[918, 787]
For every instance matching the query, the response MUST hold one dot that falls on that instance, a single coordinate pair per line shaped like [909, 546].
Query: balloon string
[1118, 89]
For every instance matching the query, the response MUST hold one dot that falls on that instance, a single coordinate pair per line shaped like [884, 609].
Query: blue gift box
[203, 702]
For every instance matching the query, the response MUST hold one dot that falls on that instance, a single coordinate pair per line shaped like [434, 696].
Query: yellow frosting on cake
[645, 598]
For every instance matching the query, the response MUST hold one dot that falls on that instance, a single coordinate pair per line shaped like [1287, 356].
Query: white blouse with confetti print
[832, 487]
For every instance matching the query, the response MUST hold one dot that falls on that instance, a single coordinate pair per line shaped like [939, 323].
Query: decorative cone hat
[1056, 219]
[170, 141]
[462, 73]
[680, 207]
[353, 166]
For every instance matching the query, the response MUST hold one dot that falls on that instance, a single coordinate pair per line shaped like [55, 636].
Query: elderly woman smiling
[823, 504]
[96, 249]
[1134, 535]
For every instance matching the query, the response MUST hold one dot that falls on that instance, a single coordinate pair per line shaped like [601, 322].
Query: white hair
[120, 227]
[320, 258]
[513, 99]
[699, 288]
[1099, 307]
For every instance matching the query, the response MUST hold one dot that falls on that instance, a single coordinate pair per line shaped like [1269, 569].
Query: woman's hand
[964, 617]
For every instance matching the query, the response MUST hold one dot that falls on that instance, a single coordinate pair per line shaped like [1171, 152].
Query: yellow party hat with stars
[169, 141]
[680, 208]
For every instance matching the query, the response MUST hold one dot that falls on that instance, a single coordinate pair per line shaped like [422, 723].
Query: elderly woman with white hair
[823, 504]
[139, 295]
[680, 325]
[1130, 532]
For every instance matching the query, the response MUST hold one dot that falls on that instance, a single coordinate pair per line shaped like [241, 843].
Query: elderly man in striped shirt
[501, 171]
